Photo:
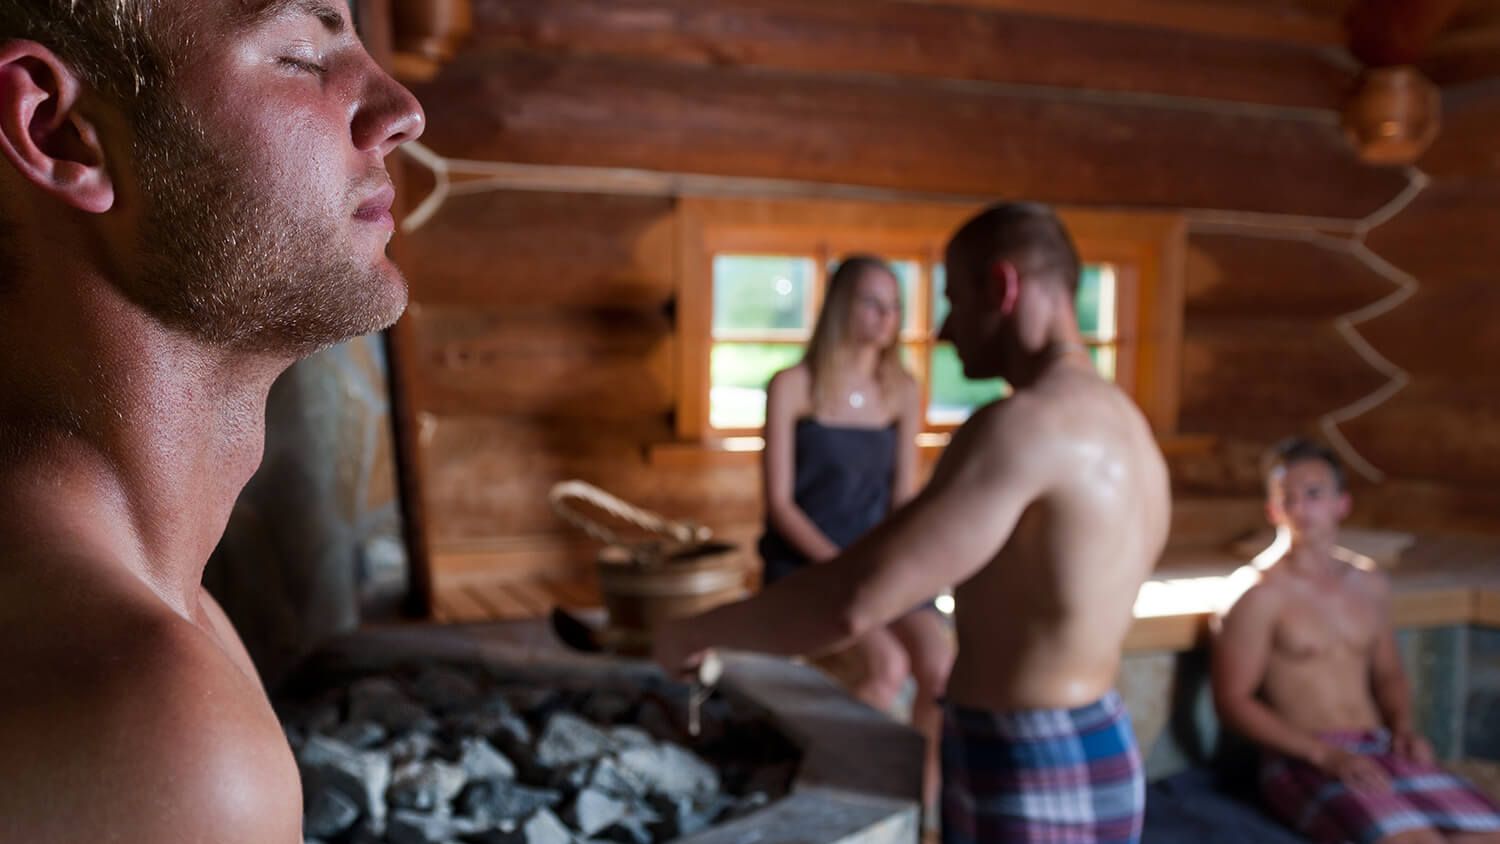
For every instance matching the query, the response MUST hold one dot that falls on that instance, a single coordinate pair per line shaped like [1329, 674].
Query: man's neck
[1312, 557]
[1060, 355]
[130, 442]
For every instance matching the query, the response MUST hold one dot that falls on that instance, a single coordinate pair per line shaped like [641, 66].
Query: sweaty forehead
[1308, 473]
[331, 13]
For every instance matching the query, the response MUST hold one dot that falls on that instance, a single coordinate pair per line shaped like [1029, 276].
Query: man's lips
[377, 209]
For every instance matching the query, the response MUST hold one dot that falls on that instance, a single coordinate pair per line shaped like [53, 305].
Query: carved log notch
[1395, 112]
[427, 33]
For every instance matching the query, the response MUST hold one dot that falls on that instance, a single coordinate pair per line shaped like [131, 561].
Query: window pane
[759, 293]
[1096, 301]
[954, 397]
[907, 274]
[738, 373]
[939, 301]
[1104, 360]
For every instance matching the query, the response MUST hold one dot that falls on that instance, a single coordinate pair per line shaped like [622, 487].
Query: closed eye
[303, 65]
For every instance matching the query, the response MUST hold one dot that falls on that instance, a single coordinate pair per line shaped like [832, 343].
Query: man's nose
[389, 116]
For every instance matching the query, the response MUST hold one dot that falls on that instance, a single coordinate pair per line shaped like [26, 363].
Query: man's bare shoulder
[138, 727]
[1004, 420]
[1366, 580]
[1001, 432]
[1256, 596]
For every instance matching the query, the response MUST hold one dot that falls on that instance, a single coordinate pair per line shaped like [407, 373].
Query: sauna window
[764, 307]
[752, 279]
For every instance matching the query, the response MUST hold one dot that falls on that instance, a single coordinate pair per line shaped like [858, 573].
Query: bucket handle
[564, 494]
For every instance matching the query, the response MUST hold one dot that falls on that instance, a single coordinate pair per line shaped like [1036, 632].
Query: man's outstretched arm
[983, 483]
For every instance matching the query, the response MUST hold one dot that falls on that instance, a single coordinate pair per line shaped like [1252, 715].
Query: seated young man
[1306, 666]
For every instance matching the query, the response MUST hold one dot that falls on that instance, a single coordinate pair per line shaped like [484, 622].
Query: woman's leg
[929, 647]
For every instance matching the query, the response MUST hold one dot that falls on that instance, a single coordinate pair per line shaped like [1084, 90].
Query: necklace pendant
[856, 399]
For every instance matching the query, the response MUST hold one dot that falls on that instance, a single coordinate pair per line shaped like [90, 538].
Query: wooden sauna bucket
[643, 584]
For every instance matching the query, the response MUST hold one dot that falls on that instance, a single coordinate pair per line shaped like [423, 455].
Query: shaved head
[1026, 234]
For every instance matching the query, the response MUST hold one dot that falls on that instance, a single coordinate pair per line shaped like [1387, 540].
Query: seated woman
[840, 453]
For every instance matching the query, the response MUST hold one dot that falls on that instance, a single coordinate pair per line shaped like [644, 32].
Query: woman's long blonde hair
[826, 350]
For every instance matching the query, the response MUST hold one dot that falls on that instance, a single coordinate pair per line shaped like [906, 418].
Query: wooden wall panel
[1447, 235]
[1466, 147]
[1214, 522]
[1266, 379]
[1434, 507]
[1241, 275]
[1312, 22]
[1231, 468]
[490, 476]
[921, 40]
[540, 345]
[598, 364]
[1468, 52]
[1438, 428]
[1448, 330]
[527, 249]
[531, 107]
[1463, 64]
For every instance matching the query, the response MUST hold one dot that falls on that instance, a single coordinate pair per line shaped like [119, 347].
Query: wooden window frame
[1145, 248]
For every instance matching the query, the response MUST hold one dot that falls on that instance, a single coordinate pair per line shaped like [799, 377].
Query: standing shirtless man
[1306, 666]
[1049, 509]
[192, 196]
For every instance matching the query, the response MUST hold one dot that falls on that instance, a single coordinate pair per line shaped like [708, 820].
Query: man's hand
[671, 648]
[1358, 772]
[1412, 746]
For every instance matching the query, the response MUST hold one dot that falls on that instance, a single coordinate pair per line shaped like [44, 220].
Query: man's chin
[374, 314]
[400, 297]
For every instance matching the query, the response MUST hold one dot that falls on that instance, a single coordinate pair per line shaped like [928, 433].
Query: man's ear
[45, 135]
[1004, 285]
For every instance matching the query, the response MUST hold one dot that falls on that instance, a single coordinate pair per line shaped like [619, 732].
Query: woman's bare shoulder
[798, 376]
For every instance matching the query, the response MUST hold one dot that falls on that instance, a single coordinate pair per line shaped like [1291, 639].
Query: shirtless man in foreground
[192, 196]
[1306, 666]
[1049, 509]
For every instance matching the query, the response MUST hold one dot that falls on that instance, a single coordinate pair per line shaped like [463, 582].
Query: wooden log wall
[540, 343]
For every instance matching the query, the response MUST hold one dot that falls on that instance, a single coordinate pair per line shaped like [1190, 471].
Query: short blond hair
[111, 44]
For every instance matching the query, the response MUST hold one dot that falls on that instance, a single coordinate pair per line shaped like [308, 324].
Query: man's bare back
[1042, 624]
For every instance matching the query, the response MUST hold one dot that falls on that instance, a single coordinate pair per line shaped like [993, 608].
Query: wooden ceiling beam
[1252, 22]
[1387, 33]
